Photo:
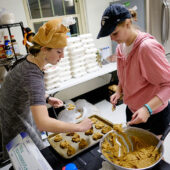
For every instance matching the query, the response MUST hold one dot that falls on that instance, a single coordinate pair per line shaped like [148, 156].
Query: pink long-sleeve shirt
[144, 73]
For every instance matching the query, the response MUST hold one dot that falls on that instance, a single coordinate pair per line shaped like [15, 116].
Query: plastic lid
[71, 166]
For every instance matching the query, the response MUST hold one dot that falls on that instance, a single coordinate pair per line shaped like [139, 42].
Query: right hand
[112, 58]
[86, 124]
[114, 98]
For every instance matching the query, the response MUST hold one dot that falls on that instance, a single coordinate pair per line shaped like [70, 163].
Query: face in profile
[120, 34]
[54, 55]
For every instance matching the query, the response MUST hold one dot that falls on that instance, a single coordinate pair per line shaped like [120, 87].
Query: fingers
[60, 102]
[134, 120]
[128, 123]
[113, 99]
[86, 124]
[57, 103]
[138, 118]
[89, 122]
[134, 116]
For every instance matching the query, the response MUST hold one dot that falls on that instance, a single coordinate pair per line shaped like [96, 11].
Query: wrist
[47, 99]
[148, 109]
[79, 127]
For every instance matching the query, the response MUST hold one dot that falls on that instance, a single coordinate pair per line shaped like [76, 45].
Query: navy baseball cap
[112, 16]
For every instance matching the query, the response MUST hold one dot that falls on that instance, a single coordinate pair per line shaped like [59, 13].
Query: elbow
[40, 126]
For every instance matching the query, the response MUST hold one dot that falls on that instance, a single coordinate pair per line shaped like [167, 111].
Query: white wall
[17, 8]
[94, 12]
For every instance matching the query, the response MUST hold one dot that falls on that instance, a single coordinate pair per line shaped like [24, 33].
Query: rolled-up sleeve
[155, 68]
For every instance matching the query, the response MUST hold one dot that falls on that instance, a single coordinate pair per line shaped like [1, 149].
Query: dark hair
[36, 48]
[29, 32]
[133, 14]
[134, 17]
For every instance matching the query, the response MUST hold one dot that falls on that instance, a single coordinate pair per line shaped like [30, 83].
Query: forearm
[155, 103]
[46, 123]
[56, 126]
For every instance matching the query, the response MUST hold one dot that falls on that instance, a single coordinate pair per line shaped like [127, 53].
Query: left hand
[140, 116]
[55, 102]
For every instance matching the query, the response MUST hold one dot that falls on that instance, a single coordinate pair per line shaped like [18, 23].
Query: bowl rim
[118, 166]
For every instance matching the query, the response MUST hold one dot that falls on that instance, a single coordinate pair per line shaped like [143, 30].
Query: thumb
[134, 115]
[131, 122]
[134, 119]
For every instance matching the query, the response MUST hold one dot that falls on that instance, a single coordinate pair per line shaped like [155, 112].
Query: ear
[43, 49]
[128, 23]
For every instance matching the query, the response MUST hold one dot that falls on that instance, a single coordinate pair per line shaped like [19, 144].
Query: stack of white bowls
[79, 59]
[91, 63]
[77, 56]
[65, 69]
[57, 74]
[51, 76]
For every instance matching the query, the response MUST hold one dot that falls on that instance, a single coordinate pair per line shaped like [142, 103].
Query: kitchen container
[145, 135]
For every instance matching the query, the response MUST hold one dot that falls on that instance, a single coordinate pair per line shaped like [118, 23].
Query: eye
[115, 33]
[59, 52]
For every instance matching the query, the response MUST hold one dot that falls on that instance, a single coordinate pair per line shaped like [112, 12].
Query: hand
[140, 116]
[112, 58]
[86, 124]
[55, 102]
[114, 98]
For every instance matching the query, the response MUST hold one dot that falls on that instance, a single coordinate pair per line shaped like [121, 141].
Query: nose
[62, 55]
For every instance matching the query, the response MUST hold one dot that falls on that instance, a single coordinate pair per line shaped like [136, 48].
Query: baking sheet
[89, 139]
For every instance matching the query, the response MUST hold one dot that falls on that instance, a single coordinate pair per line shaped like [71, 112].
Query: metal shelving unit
[6, 62]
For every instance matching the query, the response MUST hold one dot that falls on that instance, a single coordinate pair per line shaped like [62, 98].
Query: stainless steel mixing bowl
[145, 135]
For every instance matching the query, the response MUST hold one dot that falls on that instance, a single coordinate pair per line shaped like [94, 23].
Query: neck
[131, 38]
[37, 60]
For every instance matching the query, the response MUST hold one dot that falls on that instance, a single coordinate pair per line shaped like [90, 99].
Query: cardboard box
[25, 155]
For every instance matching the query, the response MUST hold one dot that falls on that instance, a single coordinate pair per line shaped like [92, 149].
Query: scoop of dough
[76, 138]
[64, 144]
[71, 150]
[71, 107]
[97, 136]
[83, 143]
[89, 132]
[58, 138]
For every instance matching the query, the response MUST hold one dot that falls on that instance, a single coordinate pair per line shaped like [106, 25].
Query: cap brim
[102, 33]
[105, 31]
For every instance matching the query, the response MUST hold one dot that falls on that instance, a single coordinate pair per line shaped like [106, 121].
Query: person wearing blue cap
[143, 70]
